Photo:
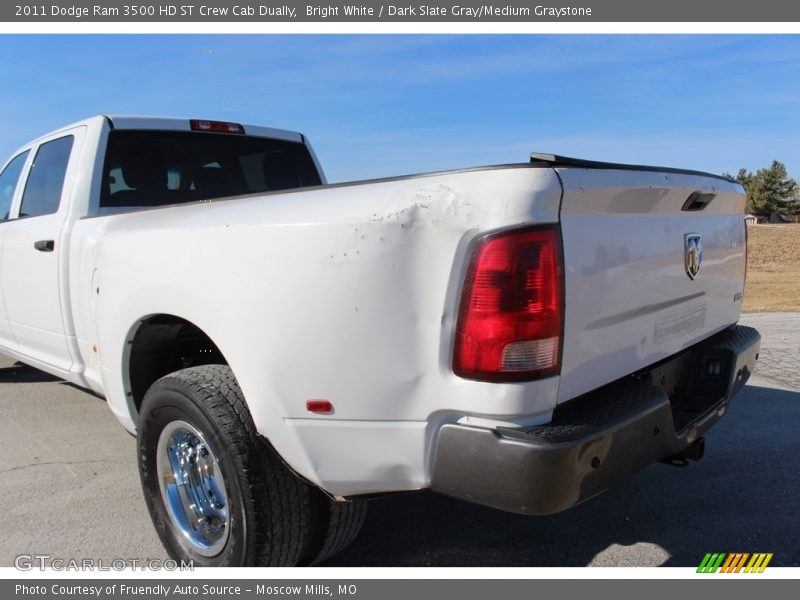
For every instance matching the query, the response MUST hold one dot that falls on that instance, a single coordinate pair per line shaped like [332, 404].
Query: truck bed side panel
[345, 293]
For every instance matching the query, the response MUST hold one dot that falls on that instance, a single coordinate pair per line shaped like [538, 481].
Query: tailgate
[633, 291]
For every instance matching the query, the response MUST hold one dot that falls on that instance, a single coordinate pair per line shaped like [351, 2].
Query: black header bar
[381, 11]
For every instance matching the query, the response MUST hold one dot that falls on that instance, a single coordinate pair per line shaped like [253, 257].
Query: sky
[385, 105]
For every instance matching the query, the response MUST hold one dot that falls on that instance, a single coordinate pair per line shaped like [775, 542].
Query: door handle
[45, 245]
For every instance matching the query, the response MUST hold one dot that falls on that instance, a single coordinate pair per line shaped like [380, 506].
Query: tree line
[769, 190]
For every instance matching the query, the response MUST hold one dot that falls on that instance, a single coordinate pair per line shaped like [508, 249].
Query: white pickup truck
[521, 336]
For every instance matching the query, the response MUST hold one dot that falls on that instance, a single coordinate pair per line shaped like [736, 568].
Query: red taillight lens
[215, 126]
[511, 315]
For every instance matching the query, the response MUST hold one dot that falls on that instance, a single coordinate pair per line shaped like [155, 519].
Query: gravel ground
[780, 346]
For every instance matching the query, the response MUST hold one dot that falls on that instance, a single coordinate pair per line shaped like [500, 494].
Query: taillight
[510, 319]
[215, 126]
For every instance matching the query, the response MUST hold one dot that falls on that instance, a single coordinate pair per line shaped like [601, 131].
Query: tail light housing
[511, 316]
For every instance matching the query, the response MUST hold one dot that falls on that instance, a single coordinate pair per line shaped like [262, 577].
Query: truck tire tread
[344, 523]
[276, 501]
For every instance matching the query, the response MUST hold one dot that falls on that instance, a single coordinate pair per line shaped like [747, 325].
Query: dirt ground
[773, 268]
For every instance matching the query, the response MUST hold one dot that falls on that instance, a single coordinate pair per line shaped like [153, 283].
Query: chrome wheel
[193, 488]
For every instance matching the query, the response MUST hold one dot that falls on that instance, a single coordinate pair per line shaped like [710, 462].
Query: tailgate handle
[697, 201]
[45, 245]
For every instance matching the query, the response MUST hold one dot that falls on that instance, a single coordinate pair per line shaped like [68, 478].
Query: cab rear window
[158, 168]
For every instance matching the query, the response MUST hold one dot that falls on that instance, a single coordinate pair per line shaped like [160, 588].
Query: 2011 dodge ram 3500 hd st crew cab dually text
[521, 336]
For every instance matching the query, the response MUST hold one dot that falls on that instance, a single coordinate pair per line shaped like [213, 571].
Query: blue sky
[383, 105]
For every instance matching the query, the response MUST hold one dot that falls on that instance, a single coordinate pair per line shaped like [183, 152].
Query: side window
[46, 180]
[9, 179]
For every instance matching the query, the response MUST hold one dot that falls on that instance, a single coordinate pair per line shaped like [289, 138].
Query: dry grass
[773, 268]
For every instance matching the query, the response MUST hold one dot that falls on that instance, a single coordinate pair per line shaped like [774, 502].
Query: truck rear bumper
[598, 439]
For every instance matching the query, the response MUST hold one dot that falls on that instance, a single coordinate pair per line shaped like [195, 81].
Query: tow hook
[693, 451]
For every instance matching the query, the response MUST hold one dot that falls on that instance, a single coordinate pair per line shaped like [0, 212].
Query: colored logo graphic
[735, 562]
